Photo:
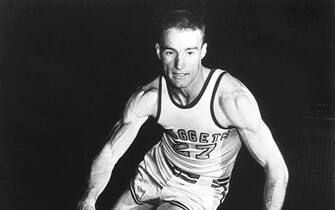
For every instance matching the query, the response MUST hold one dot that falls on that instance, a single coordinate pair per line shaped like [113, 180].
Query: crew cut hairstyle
[184, 20]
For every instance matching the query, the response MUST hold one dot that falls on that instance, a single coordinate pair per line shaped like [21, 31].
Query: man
[206, 114]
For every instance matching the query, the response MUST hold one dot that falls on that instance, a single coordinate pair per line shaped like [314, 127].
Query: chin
[177, 84]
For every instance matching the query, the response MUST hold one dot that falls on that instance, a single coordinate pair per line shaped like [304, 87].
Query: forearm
[102, 167]
[100, 174]
[274, 191]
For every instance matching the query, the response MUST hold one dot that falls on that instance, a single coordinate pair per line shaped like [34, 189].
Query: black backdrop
[68, 67]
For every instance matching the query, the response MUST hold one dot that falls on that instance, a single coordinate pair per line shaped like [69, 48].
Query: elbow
[278, 173]
[286, 175]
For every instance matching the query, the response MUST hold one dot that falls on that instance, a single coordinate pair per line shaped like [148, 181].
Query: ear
[158, 50]
[203, 50]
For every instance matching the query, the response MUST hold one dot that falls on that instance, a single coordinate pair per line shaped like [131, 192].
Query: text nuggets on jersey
[192, 136]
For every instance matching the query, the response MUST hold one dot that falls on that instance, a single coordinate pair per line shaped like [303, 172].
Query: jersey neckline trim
[159, 105]
[212, 101]
[195, 101]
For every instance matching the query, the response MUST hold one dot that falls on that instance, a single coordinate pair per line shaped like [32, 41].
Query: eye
[169, 53]
[190, 52]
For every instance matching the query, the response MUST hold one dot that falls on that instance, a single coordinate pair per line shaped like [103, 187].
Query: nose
[179, 62]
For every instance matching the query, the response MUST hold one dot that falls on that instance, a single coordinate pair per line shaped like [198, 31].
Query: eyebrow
[170, 48]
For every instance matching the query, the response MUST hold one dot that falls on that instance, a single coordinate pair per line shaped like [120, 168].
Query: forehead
[174, 37]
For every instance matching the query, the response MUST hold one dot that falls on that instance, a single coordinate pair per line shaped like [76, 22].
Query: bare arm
[242, 111]
[138, 109]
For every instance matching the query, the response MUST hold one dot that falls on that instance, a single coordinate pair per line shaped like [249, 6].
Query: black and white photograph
[167, 104]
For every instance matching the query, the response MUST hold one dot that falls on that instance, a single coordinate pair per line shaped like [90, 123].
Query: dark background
[68, 67]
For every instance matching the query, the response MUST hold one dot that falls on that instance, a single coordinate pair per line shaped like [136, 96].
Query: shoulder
[143, 102]
[230, 88]
[151, 87]
[238, 103]
[149, 93]
[230, 84]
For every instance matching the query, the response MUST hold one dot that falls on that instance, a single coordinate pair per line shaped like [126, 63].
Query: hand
[86, 205]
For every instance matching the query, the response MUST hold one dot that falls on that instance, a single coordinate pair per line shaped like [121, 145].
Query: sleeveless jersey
[193, 140]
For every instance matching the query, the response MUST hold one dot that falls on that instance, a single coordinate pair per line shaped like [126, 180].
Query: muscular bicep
[137, 110]
[243, 113]
[140, 105]
[260, 144]
[122, 136]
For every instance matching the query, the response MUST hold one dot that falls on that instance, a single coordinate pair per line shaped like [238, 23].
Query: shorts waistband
[194, 178]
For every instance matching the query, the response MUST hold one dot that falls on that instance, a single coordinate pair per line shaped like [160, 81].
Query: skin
[181, 55]
[181, 52]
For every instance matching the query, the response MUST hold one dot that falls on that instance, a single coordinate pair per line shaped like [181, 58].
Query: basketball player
[206, 115]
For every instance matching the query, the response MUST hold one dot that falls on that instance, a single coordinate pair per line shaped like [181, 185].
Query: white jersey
[193, 140]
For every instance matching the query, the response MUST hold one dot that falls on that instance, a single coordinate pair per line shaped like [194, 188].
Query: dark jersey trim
[133, 194]
[212, 101]
[177, 203]
[159, 102]
[195, 101]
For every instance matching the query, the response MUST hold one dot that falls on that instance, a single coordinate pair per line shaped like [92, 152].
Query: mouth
[179, 75]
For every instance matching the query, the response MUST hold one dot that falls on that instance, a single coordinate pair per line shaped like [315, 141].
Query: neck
[186, 95]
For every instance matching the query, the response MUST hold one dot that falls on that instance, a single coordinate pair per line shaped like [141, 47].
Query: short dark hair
[184, 20]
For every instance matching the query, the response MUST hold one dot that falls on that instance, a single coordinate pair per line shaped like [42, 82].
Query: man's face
[181, 52]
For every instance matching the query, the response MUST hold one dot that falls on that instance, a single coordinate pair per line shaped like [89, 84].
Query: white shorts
[157, 180]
